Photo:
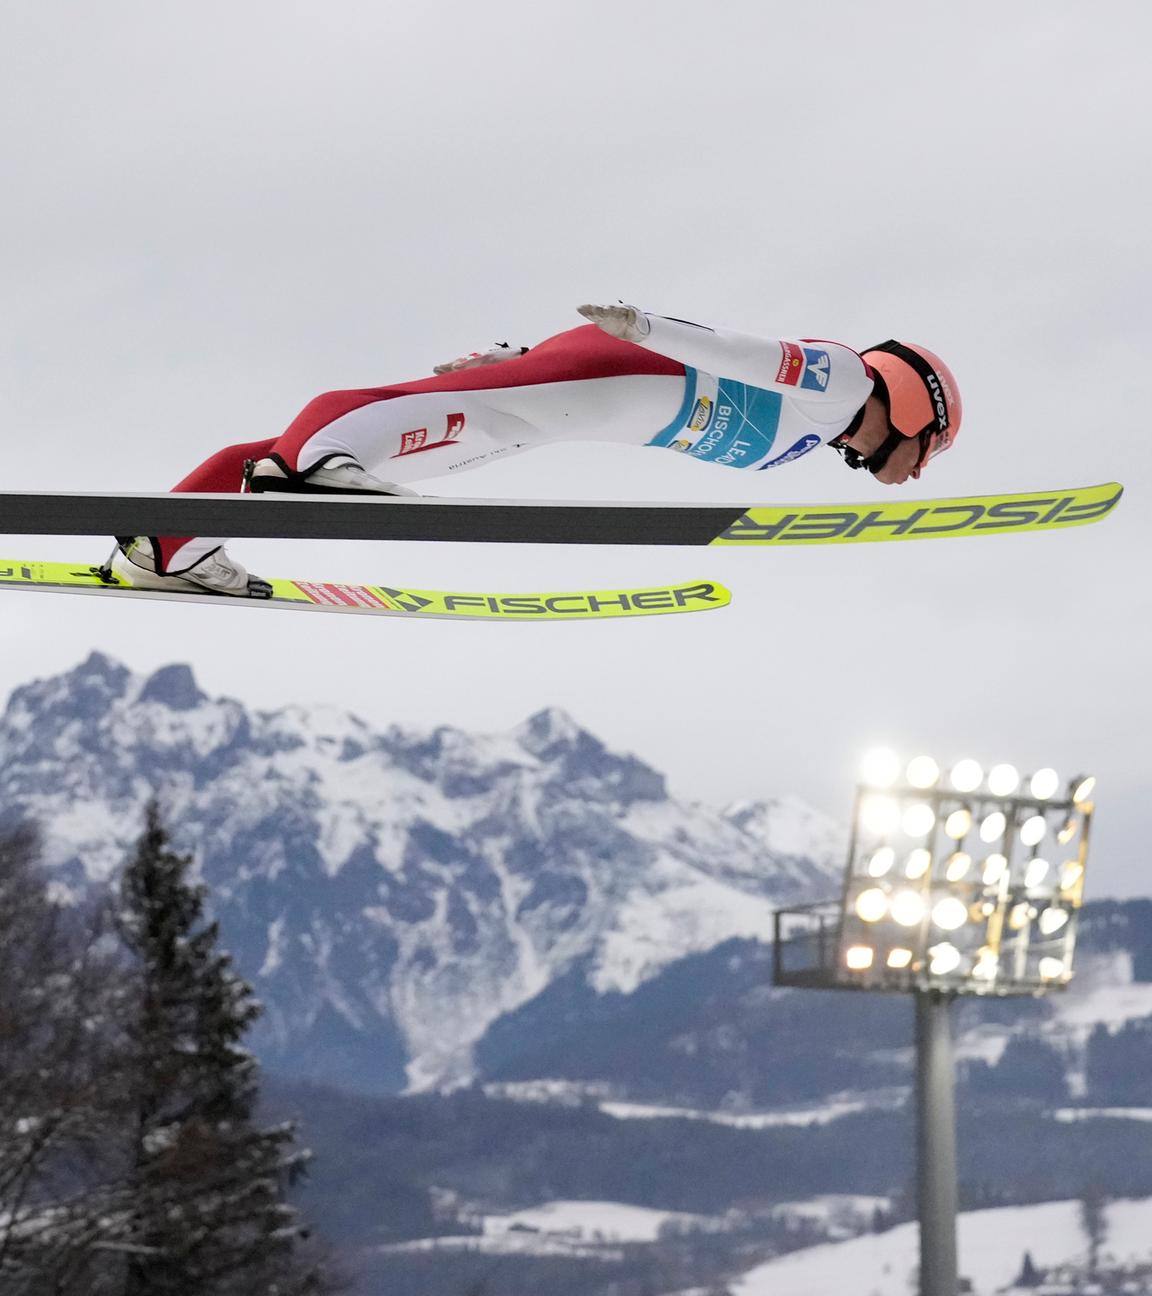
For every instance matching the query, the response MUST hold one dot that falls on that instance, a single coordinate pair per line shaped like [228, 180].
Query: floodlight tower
[965, 883]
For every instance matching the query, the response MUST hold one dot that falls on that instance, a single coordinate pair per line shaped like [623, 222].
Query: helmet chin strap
[880, 456]
[875, 462]
[877, 459]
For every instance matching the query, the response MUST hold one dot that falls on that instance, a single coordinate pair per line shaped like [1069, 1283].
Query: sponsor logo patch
[406, 600]
[412, 441]
[930, 518]
[810, 442]
[743, 426]
[701, 415]
[817, 370]
[416, 441]
[936, 390]
[791, 364]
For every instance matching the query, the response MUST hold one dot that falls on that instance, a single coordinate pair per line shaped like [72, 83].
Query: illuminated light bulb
[945, 958]
[899, 958]
[987, 965]
[918, 820]
[1044, 782]
[992, 829]
[1036, 872]
[966, 775]
[957, 824]
[871, 905]
[1018, 916]
[1032, 830]
[918, 863]
[881, 861]
[907, 908]
[1070, 829]
[957, 865]
[923, 772]
[880, 767]
[859, 957]
[995, 866]
[987, 908]
[1051, 968]
[1071, 871]
[880, 814]
[1003, 780]
[1084, 790]
[950, 913]
[1051, 920]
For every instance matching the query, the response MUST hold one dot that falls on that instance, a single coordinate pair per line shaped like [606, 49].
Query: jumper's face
[874, 430]
[902, 463]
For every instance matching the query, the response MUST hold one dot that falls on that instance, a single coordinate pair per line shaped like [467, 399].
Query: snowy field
[591, 1221]
[814, 1114]
[1068, 1114]
[564, 1228]
[574, 1093]
[992, 1246]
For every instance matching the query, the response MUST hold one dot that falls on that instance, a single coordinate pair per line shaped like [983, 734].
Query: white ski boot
[336, 475]
[133, 563]
[474, 359]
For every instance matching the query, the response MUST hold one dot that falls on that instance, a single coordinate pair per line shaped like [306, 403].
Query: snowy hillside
[992, 1244]
[393, 894]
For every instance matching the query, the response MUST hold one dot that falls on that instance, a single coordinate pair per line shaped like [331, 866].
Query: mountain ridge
[393, 893]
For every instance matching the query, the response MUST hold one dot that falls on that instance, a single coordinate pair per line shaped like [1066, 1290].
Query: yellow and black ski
[361, 517]
[390, 601]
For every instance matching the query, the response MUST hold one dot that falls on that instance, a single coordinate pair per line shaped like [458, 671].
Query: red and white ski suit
[718, 396]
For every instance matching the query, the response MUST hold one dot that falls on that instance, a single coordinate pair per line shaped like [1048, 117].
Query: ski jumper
[718, 396]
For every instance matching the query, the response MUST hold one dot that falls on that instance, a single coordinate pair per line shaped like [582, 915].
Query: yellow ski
[388, 600]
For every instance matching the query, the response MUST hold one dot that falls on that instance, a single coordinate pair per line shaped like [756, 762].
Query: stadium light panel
[881, 861]
[918, 863]
[992, 827]
[871, 905]
[922, 772]
[957, 866]
[966, 776]
[1043, 783]
[950, 913]
[1003, 780]
[1033, 830]
[958, 824]
[918, 820]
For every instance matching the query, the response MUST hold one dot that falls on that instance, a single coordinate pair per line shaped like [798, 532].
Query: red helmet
[920, 392]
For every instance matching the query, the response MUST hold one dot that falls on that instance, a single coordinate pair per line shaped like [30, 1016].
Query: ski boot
[133, 563]
[336, 475]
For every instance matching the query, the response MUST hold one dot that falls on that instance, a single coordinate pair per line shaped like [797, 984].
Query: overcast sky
[214, 211]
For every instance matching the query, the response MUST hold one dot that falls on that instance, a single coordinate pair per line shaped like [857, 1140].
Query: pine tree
[57, 1071]
[1029, 1275]
[1094, 1222]
[206, 1186]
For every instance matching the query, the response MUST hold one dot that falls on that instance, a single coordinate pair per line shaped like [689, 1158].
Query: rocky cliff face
[393, 894]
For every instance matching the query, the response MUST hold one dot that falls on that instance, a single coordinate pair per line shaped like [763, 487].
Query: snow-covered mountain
[392, 894]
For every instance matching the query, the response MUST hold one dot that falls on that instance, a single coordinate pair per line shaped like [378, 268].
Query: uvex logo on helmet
[936, 391]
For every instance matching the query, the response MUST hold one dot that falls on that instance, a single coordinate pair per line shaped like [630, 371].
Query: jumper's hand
[501, 351]
[624, 322]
